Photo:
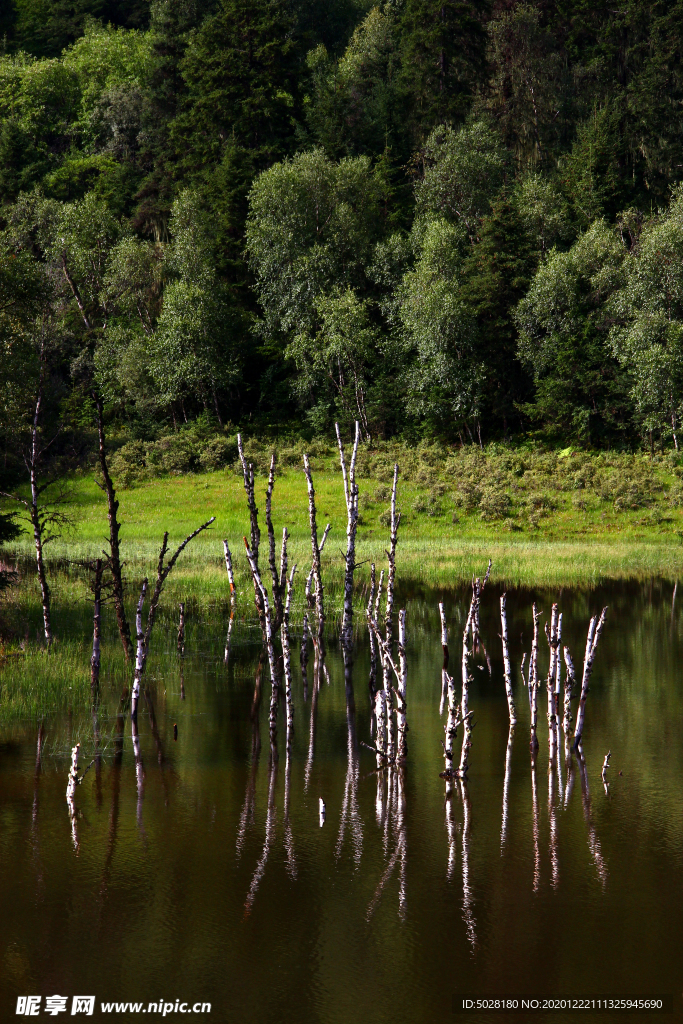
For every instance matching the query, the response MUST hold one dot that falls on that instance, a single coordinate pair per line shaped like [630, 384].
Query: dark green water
[186, 877]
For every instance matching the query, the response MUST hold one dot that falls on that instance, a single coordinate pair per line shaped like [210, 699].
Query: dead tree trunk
[37, 519]
[73, 774]
[472, 625]
[381, 727]
[401, 710]
[533, 682]
[163, 570]
[464, 701]
[351, 497]
[594, 632]
[231, 578]
[114, 546]
[269, 648]
[95, 659]
[373, 644]
[391, 576]
[316, 567]
[506, 661]
[444, 668]
[140, 651]
[551, 634]
[279, 578]
[248, 474]
[568, 688]
[558, 669]
[286, 658]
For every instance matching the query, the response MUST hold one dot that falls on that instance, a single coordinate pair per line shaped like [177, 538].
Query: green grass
[626, 524]
[626, 521]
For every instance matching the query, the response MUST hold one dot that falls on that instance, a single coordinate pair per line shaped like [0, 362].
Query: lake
[197, 869]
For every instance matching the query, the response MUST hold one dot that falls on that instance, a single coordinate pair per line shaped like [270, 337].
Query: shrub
[129, 463]
[427, 505]
[468, 496]
[382, 493]
[494, 504]
[217, 452]
[174, 453]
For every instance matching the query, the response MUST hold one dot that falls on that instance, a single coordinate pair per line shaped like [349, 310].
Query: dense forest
[458, 219]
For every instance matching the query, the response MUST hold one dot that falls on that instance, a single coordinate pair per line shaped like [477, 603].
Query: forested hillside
[456, 219]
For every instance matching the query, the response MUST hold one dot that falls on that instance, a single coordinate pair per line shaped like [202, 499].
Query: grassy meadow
[545, 520]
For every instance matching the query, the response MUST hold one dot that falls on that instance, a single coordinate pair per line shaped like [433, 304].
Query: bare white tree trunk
[270, 649]
[594, 632]
[506, 788]
[552, 822]
[401, 716]
[248, 475]
[467, 894]
[451, 830]
[472, 625]
[351, 496]
[315, 549]
[506, 661]
[73, 773]
[139, 770]
[387, 750]
[444, 668]
[568, 688]
[229, 569]
[163, 570]
[558, 669]
[391, 576]
[231, 578]
[381, 727]
[537, 848]
[284, 636]
[314, 712]
[551, 634]
[279, 579]
[373, 644]
[139, 651]
[533, 681]
[464, 700]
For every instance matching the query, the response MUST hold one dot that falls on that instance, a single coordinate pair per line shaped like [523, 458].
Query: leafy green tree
[581, 390]
[543, 211]
[647, 336]
[335, 360]
[463, 172]
[194, 350]
[38, 102]
[311, 227]
[444, 378]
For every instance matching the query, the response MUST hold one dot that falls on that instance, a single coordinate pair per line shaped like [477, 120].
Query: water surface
[198, 870]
